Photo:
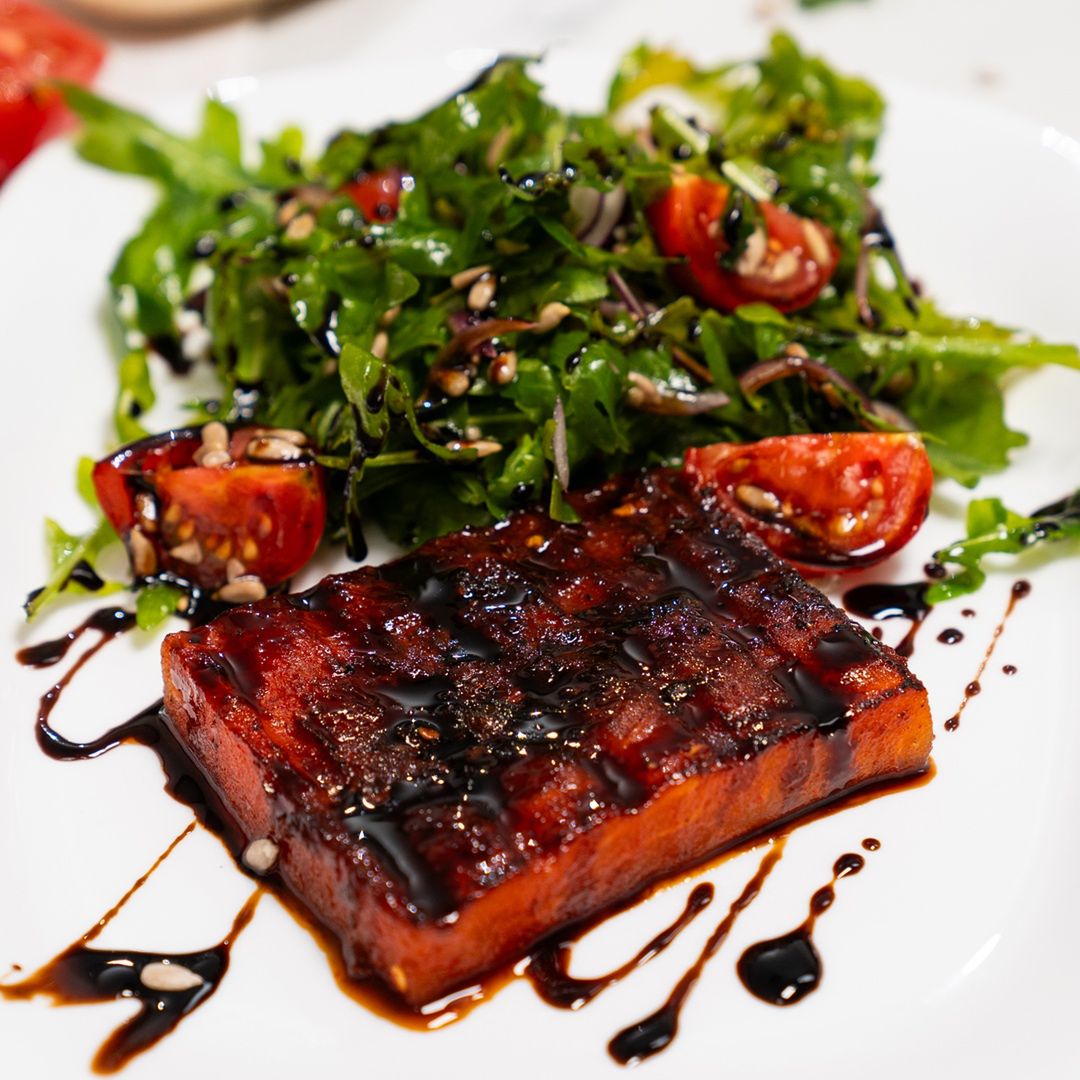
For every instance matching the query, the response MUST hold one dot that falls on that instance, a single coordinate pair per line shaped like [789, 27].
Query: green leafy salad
[474, 310]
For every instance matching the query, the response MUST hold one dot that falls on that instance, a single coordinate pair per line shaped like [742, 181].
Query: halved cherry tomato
[377, 194]
[253, 516]
[786, 262]
[37, 44]
[827, 503]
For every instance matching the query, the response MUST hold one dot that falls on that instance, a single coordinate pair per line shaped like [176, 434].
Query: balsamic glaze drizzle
[549, 965]
[82, 975]
[657, 1031]
[783, 970]
[109, 622]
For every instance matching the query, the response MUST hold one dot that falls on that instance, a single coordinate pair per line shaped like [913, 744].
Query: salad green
[587, 358]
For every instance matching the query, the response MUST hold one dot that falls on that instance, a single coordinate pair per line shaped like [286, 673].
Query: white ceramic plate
[954, 950]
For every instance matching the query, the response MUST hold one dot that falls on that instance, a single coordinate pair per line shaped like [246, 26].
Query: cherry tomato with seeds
[786, 261]
[213, 507]
[825, 503]
[37, 44]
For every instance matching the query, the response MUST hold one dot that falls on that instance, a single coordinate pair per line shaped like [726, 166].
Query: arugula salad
[479, 308]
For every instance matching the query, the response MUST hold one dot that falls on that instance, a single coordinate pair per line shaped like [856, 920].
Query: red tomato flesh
[37, 44]
[786, 263]
[826, 503]
[377, 194]
[198, 519]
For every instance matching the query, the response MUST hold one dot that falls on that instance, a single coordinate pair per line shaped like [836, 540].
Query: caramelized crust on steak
[514, 727]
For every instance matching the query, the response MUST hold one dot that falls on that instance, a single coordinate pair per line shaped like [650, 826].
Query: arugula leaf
[993, 529]
[67, 550]
[124, 141]
[155, 603]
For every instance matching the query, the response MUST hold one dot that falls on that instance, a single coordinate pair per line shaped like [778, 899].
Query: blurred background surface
[1021, 56]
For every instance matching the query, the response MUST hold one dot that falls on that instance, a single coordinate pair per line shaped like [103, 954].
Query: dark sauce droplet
[950, 636]
[952, 723]
[783, 970]
[871, 844]
[968, 613]
[891, 602]
[973, 688]
[1009, 669]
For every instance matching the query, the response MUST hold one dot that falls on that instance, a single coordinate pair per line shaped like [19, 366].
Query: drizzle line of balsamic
[549, 964]
[1019, 590]
[783, 970]
[81, 975]
[656, 1031]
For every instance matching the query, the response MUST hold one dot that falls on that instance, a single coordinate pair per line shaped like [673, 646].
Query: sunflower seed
[260, 855]
[482, 293]
[190, 551]
[212, 459]
[503, 368]
[550, 316]
[464, 278]
[246, 589]
[786, 266]
[379, 345]
[272, 448]
[297, 438]
[143, 556]
[453, 382]
[300, 228]
[234, 568]
[215, 435]
[755, 498]
[169, 978]
[816, 243]
[753, 254]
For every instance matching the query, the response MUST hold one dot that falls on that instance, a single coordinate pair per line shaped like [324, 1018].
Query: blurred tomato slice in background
[36, 45]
